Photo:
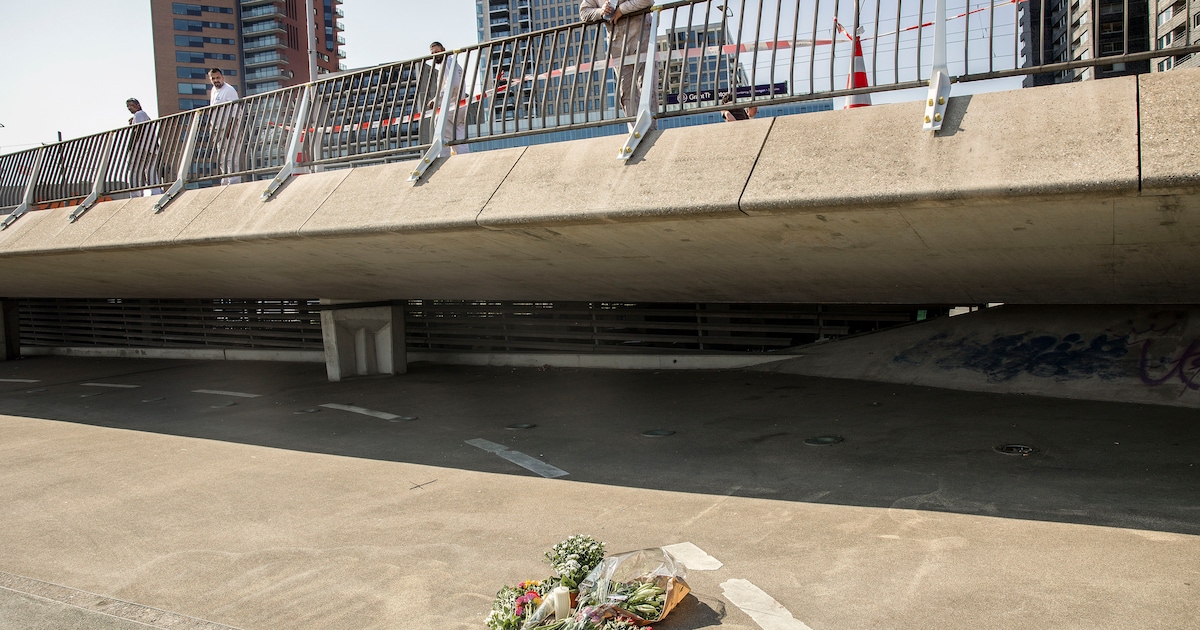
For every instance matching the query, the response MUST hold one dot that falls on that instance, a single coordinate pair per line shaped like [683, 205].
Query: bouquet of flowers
[515, 604]
[573, 558]
[524, 606]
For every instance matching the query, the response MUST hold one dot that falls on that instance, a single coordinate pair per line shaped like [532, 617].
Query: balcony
[261, 13]
[337, 24]
[256, 3]
[339, 12]
[268, 73]
[264, 59]
[263, 43]
[264, 87]
[273, 26]
[341, 40]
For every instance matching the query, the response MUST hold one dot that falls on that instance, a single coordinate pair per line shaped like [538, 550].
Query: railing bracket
[27, 201]
[293, 148]
[939, 76]
[185, 166]
[98, 183]
[645, 117]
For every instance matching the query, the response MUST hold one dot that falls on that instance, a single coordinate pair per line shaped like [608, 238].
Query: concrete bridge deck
[1082, 193]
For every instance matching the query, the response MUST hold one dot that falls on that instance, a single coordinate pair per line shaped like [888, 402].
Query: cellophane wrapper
[644, 565]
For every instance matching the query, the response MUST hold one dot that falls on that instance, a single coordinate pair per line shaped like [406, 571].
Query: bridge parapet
[999, 208]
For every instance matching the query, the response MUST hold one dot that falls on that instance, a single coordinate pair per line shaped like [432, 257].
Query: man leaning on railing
[628, 42]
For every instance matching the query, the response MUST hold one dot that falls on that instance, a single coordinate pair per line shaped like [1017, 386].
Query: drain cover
[824, 440]
[657, 433]
[1016, 449]
[522, 425]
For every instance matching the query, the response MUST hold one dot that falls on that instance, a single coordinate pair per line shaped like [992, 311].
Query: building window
[193, 88]
[199, 73]
[198, 57]
[192, 41]
[1166, 15]
[192, 103]
[182, 8]
[1164, 41]
[196, 26]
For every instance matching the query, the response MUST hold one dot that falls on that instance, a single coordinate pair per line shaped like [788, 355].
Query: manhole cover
[657, 433]
[1016, 449]
[824, 440]
[522, 425]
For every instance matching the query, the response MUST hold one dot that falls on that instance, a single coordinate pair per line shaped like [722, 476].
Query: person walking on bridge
[143, 149]
[629, 39]
[224, 128]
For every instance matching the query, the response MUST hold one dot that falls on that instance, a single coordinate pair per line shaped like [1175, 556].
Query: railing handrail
[543, 81]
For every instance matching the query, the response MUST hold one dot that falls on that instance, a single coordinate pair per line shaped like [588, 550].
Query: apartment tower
[1057, 31]
[1175, 25]
[259, 45]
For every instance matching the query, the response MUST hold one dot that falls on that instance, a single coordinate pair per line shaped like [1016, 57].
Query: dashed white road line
[113, 385]
[19, 380]
[762, 608]
[382, 415]
[693, 557]
[527, 462]
[225, 393]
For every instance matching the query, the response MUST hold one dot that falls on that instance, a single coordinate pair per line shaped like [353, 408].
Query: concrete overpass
[1081, 193]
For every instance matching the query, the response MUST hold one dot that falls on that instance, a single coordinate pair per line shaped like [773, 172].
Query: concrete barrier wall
[1132, 354]
[1030, 196]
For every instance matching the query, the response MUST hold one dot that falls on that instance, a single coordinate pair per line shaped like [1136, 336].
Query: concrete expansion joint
[483, 208]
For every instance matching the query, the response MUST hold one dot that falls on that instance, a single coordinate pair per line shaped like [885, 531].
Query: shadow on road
[735, 433]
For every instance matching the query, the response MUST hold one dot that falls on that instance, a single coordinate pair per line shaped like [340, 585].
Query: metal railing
[677, 59]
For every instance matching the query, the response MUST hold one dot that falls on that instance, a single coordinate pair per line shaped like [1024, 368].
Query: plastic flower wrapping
[620, 592]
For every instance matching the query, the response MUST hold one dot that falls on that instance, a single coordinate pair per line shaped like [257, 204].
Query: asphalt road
[179, 494]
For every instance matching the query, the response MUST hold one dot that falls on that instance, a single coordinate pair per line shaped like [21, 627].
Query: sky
[62, 77]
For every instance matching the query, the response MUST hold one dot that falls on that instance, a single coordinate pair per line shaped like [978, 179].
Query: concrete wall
[1030, 196]
[1134, 354]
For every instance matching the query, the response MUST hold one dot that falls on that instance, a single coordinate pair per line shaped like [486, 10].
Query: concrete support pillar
[10, 331]
[363, 339]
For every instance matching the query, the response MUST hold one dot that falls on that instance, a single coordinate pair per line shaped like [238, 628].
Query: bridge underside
[1083, 193]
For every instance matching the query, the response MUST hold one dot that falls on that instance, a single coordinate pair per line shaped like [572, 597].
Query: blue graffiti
[1005, 357]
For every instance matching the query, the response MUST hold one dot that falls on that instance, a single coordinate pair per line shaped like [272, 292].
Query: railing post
[440, 122]
[645, 117]
[939, 78]
[27, 201]
[101, 177]
[185, 165]
[298, 128]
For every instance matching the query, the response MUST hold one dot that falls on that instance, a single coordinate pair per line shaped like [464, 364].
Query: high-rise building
[1057, 31]
[502, 18]
[1176, 23]
[259, 45]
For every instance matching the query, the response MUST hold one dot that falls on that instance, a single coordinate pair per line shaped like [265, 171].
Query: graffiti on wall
[1154, 349]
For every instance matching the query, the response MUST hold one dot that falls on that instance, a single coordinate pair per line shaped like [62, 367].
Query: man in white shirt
[223, 126]
[457, 114]
[143, 149]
